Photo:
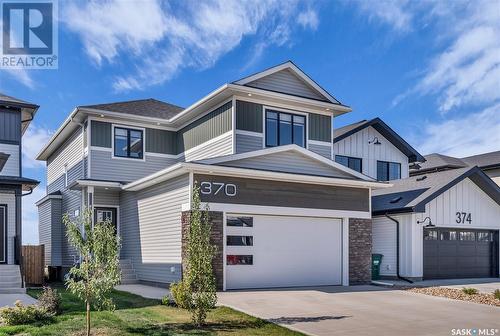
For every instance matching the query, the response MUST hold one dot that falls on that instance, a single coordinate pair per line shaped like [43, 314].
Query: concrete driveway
[362, 310]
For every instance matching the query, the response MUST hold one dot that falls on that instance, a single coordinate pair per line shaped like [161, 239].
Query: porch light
[429, 225]
[375, 141]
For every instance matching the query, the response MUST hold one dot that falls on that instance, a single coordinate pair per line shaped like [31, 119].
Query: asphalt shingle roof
[144, 107]
[483, 160]
[9, 99]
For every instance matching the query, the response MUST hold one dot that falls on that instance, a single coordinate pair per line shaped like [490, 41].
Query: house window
[128, 143]
[285, 129]
[387, 171]
[351, 162]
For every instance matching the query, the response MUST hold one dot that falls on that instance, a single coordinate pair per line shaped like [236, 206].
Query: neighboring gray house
[15, 117]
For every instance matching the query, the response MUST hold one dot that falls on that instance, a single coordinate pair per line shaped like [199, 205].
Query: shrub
[167, 300]
[469, 290]
[21, 314]
[496, 294]
[181, 294]
[50, 300]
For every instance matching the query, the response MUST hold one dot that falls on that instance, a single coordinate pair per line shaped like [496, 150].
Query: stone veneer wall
[360, 251]
[217, 238]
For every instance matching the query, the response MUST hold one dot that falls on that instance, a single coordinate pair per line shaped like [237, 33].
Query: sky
[429, 69]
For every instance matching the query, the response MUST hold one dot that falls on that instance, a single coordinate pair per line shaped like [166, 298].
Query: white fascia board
[96, 183]
[159, 176]
[279, 149]
[296, 70]
[135, 117]
[335, 109]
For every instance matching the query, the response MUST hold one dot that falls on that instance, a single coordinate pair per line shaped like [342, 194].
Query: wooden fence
[33, 264]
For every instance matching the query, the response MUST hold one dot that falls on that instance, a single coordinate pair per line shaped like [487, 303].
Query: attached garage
[448, 224]
[460, 253]
[281, 251]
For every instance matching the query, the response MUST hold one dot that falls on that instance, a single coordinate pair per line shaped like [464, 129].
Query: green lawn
[135, 315]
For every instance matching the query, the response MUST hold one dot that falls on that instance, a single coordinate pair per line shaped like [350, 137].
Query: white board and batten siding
[11, 167]
[357, 146]
[9, 199]
[150, 225]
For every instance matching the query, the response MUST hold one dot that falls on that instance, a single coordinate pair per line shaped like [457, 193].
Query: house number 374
[216, 188]
[463, 217]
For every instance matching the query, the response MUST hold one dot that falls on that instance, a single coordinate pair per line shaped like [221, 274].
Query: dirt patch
[457, 294]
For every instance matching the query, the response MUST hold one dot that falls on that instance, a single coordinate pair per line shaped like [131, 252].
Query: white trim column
[345, 251]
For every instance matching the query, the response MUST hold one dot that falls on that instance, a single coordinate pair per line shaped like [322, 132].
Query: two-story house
[440, 217]
[15, 117]
[261, 151]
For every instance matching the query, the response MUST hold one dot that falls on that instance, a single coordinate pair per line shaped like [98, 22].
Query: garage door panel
[289, 251]
[452, 258]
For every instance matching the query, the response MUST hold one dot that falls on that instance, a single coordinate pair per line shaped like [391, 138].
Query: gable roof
[437, 161]
[291, 73]
[486, 160]
[413, 193]
[144, 107]
[342, 171]
[385, 131]
[28, 110]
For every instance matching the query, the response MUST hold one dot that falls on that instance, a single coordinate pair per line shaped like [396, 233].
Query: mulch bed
[457, 294]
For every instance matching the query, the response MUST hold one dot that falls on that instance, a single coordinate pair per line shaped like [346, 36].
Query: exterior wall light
[375, 141]
[429, 225]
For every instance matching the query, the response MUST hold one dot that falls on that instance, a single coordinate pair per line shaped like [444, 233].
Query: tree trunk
[88, 318]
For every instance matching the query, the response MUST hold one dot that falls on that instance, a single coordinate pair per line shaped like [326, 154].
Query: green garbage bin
[376, 261]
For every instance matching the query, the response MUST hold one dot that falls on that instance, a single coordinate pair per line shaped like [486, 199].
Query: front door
[3, 234]
[106, 214]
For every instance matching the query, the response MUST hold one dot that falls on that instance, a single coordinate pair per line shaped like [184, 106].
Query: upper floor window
[351, 162]
[387, 171]
[285, 129]
[128, 143]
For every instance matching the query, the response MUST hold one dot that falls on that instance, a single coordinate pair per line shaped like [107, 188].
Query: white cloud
[391, 12]
[463, 136]
[33, 141]
[308, 19]
[180, 35]
[30, 216]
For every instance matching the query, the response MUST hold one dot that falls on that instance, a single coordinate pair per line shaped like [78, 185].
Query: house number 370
[215, 188]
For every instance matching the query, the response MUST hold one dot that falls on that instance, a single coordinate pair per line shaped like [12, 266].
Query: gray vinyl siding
[71, 201]
[105, 167]
[285, 81]
[50, 231]
[9, 199]
[150, 227]
[289, 163]
[70, 154]
[11, 167]
[320, 127]
[106, 197]
[208, 127]
[247, 143]
[10, 126]
[100, 134]
[324, 151]
[161, 141]
[248, 116]
[56, 185]
[223, 146]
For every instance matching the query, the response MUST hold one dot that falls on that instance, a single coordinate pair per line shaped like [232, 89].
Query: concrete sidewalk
[8, 300]
[149, 292]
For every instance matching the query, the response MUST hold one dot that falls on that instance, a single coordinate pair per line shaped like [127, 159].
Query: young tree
[99, 269]
[199, 275]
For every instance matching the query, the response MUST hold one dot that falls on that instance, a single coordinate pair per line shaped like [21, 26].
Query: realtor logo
[29, 34]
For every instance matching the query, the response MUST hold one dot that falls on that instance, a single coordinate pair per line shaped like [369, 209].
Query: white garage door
[278, 251]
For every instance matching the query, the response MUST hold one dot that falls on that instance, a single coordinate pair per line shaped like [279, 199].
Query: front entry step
[10, 280]
[128, 275]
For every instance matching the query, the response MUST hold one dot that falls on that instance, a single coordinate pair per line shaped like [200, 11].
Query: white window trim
[279, 109]
[113, 126]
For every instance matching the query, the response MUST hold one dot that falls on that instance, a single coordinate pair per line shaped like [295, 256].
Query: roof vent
[396, 199]
[421, 178]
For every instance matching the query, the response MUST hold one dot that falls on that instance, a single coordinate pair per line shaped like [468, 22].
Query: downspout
[397, 248]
